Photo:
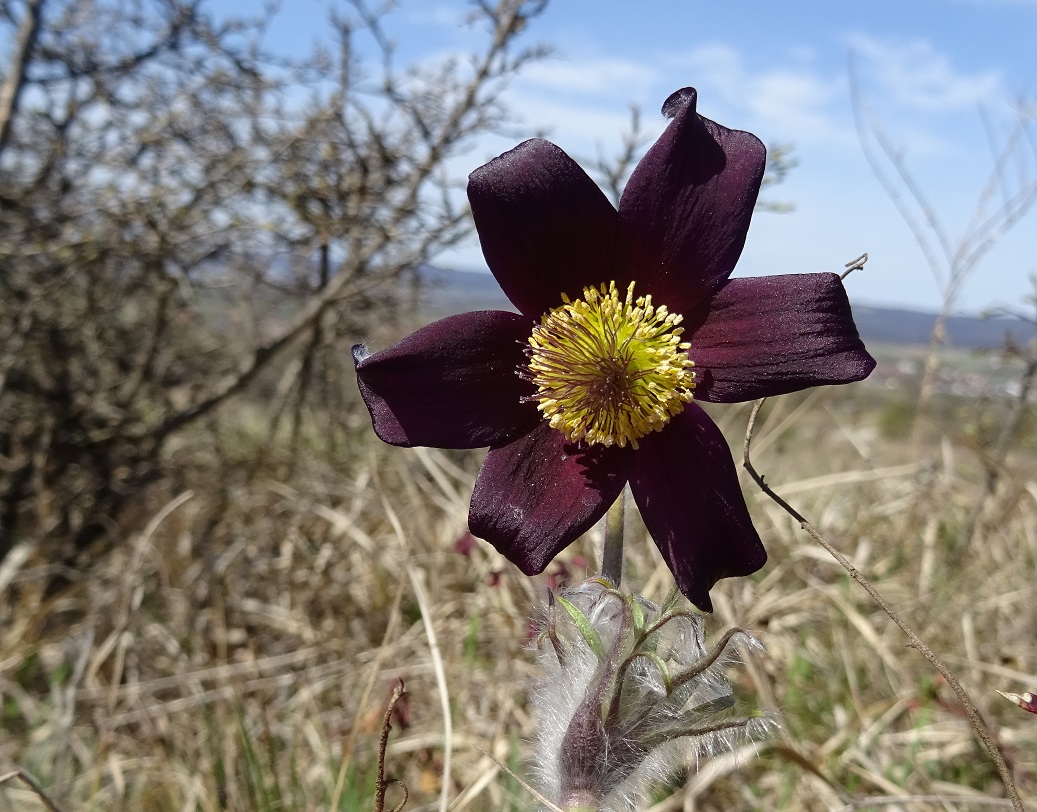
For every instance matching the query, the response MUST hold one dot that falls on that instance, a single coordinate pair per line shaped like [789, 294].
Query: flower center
[608, 370]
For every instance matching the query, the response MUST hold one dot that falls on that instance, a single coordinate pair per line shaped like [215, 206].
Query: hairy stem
[612, 555]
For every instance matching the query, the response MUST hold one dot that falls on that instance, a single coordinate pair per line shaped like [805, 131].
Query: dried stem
[381, 785]
[521, 781]
[854, 265]
[980, 726]
[33, 785]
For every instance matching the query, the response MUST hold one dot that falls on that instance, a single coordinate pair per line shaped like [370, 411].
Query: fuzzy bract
[630, 692]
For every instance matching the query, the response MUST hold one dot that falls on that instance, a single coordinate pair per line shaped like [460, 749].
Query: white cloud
[716, 66]
[591, 76]
[578, 126]
[792, 101]
[913, 74]
[441, 14]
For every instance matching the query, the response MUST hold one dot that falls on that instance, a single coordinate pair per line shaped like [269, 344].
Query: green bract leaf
[639, 617]
[584, 625]
[670, 602]
[714, 706]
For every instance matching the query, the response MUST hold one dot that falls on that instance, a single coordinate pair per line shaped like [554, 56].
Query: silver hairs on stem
[630, 692]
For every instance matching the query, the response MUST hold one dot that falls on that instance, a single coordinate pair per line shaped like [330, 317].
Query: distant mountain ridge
[449, 291]
[892, 325]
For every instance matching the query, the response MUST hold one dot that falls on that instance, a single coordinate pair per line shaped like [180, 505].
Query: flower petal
[685, 486]
[545, 227]
[452, 384]
[770, 335]
[537, 495]
[685, 212]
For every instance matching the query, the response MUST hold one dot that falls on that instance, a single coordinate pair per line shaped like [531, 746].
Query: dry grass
[237, 650]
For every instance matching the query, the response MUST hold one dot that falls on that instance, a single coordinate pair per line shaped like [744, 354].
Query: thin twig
[980, 726]
[14, 83]
[854, 265]
[381, 785]
[28, 779]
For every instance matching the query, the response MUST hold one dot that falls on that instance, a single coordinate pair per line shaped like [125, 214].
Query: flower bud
[630, 692]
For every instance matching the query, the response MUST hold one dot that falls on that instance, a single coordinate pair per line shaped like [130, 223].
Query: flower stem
[612, 555]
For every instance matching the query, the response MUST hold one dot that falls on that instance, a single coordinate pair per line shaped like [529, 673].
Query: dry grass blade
[953, 800]
[340, 780]
[421, 595]
[33, 785]
[854, 265]
[980, 726]
[531, 790]
[444, 695]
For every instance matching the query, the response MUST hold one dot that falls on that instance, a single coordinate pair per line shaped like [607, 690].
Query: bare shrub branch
[1003, 201]
[187, 218]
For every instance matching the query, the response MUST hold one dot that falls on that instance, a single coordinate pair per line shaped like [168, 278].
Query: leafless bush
[1007, 196]
[184, 217]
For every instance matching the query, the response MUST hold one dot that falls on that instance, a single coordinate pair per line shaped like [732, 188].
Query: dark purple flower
[1026, 701]
[606, 374]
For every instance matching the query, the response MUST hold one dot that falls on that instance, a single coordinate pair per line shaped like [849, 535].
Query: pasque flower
[1026, 701]
[625, 319]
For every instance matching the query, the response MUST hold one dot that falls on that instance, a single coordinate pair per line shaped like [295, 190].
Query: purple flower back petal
[545, 227]
[685, 212]
[537, 495]
[685, 485]
[771, 335]
[452, 384]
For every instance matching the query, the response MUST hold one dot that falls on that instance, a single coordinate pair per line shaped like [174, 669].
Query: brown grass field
[237, 649]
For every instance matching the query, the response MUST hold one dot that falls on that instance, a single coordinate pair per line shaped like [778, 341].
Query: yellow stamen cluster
[608, 370]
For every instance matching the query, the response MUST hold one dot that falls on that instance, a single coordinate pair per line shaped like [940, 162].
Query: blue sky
[939, 78]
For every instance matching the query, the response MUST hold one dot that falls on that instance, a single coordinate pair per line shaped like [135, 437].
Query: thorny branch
[973, 714]
[508, 18]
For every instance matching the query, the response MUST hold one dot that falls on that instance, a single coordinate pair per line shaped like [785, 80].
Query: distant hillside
[896, 326]
[457, 291]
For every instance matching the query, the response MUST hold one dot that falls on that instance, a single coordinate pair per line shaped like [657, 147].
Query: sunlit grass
[236, 651]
